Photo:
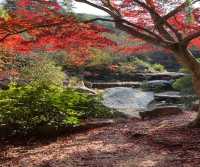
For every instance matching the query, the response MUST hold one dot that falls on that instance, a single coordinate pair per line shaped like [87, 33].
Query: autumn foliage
[39, 25]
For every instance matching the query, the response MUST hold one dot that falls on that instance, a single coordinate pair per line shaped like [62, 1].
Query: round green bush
[28, 107]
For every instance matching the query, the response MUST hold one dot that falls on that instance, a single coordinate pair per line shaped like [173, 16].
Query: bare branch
[157, 18]
[143, 29]
[108, 4]
[153, 40]
[160, 21]
[128, 23]
[98, 19]
[98, 7]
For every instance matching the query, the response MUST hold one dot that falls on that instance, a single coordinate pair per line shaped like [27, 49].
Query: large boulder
[129, 101]
[160, 112]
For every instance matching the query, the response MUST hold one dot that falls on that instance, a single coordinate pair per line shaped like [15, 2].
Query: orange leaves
[151, 3]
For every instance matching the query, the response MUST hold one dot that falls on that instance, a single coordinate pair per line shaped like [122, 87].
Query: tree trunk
[185, 58]
[196, 85]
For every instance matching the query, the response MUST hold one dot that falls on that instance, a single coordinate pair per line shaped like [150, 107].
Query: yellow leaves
[4, 13]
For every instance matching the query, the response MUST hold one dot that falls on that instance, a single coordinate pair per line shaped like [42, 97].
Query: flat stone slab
[162, 75]
[170, 95]
[103, 85]
[160, 112]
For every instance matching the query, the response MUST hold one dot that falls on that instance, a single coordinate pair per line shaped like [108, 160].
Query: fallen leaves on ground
[160, 142]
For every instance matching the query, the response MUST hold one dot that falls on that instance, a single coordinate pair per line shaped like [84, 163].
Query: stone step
[104, 85]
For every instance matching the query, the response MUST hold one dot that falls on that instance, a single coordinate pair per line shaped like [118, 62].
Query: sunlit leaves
[4, 13]
[42, 26]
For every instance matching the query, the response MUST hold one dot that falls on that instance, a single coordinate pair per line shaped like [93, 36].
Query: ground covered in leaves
[160, 142]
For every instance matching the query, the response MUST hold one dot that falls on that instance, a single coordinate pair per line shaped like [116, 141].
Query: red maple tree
[44, 25]
[173, 25]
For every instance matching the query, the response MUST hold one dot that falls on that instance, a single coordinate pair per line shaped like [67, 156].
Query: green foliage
[141, 65]
[138, 65]
[100, 57]
[4, 13]
[43, 71]
[28, 107]
[145, 86]
[158, 67]
[184, 85]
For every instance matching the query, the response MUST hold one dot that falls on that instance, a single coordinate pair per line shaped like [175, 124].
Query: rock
[104, 85]
[4, 83]
[158, 85]
[135, 76]
[129, 101]
[160, 112]
[161, 76]
[170, 96]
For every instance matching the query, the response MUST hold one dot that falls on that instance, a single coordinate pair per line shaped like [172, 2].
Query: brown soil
[161, 142]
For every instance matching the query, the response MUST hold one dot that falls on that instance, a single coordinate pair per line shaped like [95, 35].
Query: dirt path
[163, 142]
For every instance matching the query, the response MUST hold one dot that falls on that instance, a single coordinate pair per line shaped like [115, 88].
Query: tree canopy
[31, 25]
[162, 22]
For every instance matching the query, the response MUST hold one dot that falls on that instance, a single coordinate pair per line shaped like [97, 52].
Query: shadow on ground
[161, 142]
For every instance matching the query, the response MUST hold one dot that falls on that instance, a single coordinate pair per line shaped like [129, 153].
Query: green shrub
[100, 57]
[43, 71]
[184, 85]
[141, 65]
[138, 65]
[28, 107]
[158, 67]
